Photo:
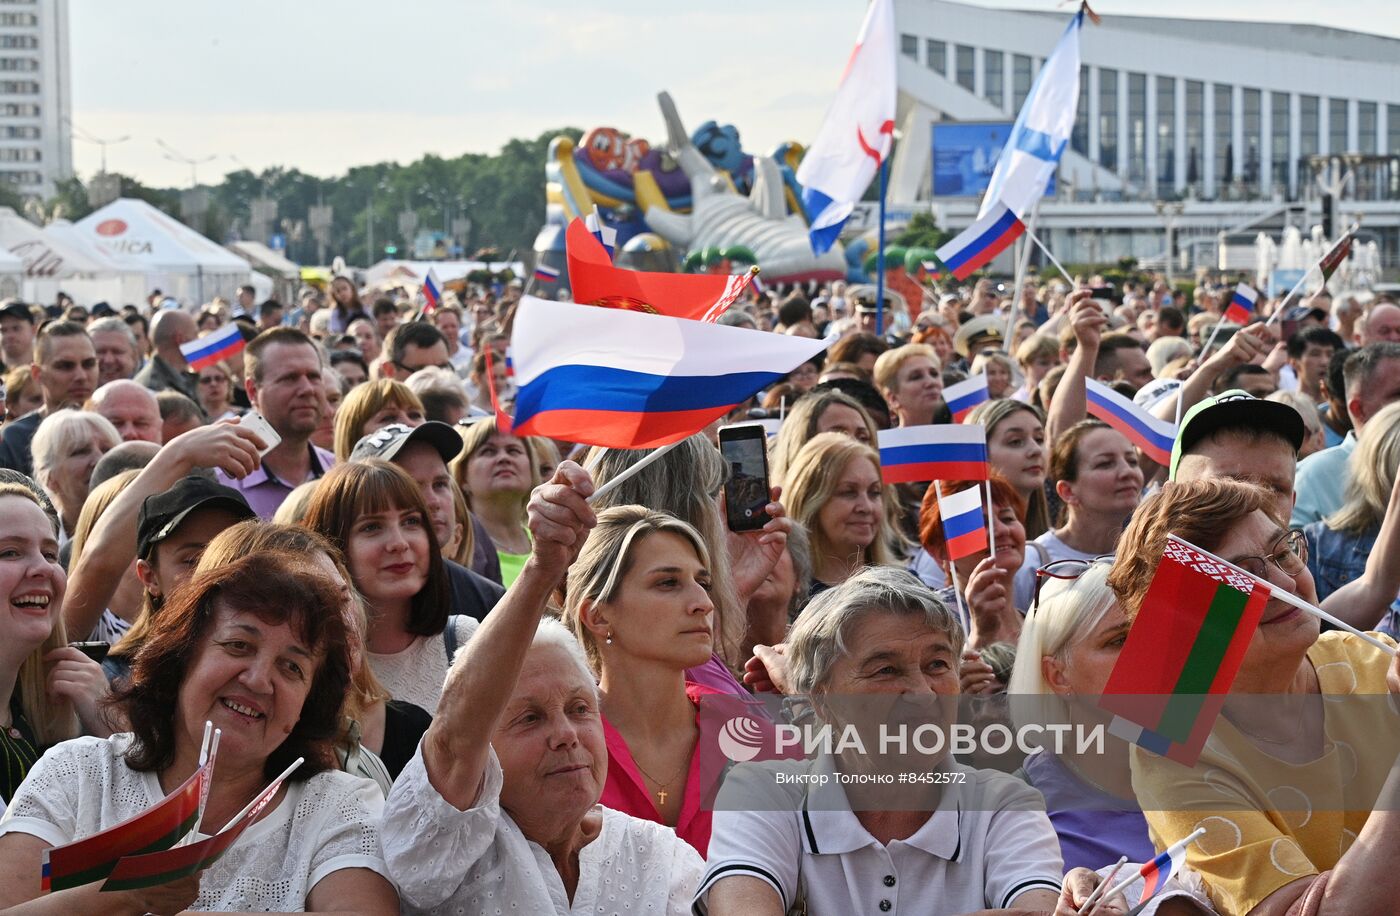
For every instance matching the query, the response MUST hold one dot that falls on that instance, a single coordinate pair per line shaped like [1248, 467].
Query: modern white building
[1211, 126]
[36, 145]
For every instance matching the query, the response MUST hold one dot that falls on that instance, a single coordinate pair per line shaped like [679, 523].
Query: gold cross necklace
[661, 792]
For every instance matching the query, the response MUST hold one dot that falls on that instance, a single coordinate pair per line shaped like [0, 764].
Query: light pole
[101, 143]
[175, 155]
[1170, 212]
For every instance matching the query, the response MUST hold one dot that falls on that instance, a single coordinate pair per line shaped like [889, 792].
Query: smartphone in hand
[744, 448]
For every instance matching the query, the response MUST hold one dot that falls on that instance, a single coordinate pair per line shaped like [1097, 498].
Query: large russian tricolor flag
[622, 379]
[214, 347]
[976, 245]
[933, 452]
[1242, 304]
[965, 395]
[964, 531]
[1154, 436]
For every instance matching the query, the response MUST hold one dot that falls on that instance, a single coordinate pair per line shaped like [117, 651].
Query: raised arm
[112, 546]
[483, 676]
[1249, 345]
[1067, 407]
[1363, 601]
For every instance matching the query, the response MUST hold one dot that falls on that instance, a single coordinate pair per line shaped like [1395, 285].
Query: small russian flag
[933, 452]
[546, 274]
[214, 347]
[965, 395]
[964, 530]
[1154, 436]
[1242, 304]
[432, 292]
[605, 234]
[976, 245]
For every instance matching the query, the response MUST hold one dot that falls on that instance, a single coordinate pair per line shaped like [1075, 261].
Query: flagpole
[616, 482]
[1092, 901]
[952, 566]
[1022, 265]
[880, 260]
[1126, 883]
[991, 525]
[1053, 260]
[1284, 301]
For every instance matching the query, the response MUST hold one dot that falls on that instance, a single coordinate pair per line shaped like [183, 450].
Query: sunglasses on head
[1066, 570]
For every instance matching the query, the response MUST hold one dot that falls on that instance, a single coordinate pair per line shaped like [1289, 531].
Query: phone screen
[746, 492]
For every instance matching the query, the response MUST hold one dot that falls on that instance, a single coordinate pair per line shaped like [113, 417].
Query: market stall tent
[285, 275]
[171, 256]
[52, 263]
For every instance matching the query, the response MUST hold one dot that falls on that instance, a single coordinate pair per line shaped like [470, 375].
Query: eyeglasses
[1066, 570]
[1290, 555]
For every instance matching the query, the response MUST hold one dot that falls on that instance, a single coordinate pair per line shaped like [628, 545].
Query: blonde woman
[1339, 545]
[828, 411]
[834, 491]
[496, 472]
[1016, 449]
[639, 603]
[129, 596]
[66, 447]
[372, 406]
[1000, 372]
[911, 380]
[1035, 356]
[687, 482]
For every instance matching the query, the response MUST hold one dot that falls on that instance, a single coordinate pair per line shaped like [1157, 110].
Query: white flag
[856, 135]
[1042, 130]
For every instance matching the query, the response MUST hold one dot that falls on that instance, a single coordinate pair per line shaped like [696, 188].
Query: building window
[24, 154]
[1137, 126]
[1392, 129]
[1278, 147]
[967, 69]
[1195, 131]
[1022, 75]
[1166, 135]
[19, 20]
[1366, 128]
[936, 58]
[1079, 133]
[1224, 135]
[20, 42]
[23, 132]
[1336, 125]
[909, 46]
[1108, 119]
[19, 87]
[18, 64]
[19, 110]
[1253, 115]
[992, 72]
[1308, 125]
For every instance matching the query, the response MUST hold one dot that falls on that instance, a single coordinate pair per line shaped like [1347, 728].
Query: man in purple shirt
[283, 378]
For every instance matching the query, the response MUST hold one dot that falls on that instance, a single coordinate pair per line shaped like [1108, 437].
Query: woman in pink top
[639, 601]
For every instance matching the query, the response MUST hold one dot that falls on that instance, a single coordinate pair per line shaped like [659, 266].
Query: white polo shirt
[988, 843]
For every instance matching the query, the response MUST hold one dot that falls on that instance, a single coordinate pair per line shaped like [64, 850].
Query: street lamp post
[1170, 212]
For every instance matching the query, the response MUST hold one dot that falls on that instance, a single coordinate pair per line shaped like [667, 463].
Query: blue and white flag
[857, 133]
[605, 234]
[1041, 132]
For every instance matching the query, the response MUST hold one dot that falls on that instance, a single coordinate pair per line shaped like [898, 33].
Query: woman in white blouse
[499, 808]
[258, 648]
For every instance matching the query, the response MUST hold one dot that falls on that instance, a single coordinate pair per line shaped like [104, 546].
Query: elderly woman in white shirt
[500, 805]
[880, 650]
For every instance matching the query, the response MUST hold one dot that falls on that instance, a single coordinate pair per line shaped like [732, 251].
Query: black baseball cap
[162, 513]
[17, 310]
[1235, 409]
[387, 442]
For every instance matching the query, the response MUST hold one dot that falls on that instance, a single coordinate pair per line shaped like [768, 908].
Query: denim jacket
[1336, 557]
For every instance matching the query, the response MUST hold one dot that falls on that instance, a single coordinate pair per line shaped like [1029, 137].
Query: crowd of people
[503, 690]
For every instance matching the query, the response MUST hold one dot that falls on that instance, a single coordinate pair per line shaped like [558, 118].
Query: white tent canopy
[47, 255]
[415, 272]
[172, 256]
[11, 274]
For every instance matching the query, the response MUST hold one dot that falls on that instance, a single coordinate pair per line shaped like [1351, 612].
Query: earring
[609, 639]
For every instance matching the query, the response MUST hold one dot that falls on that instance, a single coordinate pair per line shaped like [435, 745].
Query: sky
[323, 85]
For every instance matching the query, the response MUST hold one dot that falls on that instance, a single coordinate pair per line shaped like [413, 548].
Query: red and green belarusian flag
[159, 827]
[1334, 258]
[1183, 651]
[164, 866]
